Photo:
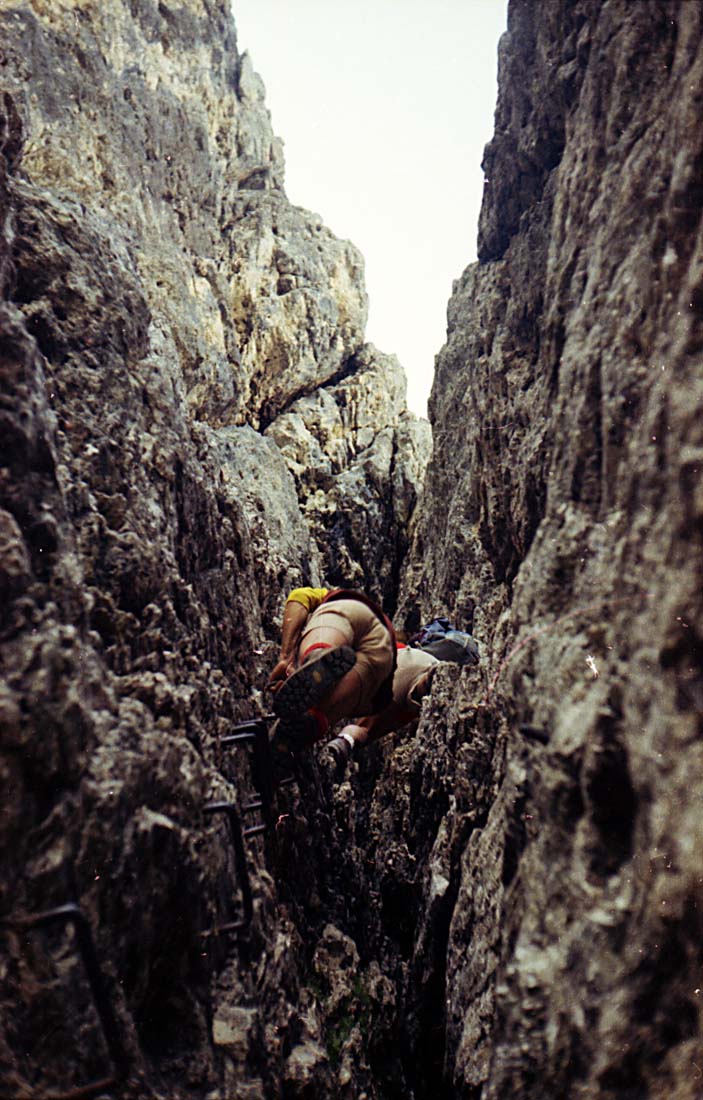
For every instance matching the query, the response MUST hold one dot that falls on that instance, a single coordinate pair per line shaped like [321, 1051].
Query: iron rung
[240, 860]
[73, 914]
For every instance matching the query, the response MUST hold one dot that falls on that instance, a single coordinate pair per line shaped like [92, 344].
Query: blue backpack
[441, 640]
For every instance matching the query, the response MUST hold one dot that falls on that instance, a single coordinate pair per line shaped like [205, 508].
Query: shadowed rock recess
[506, 902]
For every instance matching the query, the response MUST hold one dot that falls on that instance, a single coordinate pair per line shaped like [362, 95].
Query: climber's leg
[345, 697]
[327, 632]
[355, 692]
[325, 655]
[313, 681]
[345, 655]
[303, 730]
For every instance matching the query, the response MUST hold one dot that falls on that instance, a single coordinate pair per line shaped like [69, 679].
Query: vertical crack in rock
[506, 901]
[566, 480]
[165, 310]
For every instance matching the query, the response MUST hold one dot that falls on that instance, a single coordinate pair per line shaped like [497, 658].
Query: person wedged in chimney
[340, 659]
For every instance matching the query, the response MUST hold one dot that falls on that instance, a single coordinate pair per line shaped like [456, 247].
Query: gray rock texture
[163, 307]
[357, 457]
[559, 904]
[504, 903]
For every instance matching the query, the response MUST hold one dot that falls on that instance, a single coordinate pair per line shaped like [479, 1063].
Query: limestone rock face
[306, 289]
[358, 458]
[505, 902]
[566, 776]
[161, 306]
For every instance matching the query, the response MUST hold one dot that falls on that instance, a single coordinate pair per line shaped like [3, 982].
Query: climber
[437, 642]
[411, 683]
[338, 656]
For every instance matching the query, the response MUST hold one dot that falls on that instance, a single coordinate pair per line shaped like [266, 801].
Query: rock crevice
[162, 305]
[570, 376]
[505, 901]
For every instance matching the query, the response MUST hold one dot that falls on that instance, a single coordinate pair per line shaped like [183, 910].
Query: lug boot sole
[313, 682]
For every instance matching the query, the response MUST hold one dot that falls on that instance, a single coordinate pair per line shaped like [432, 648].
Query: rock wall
[190, 423]
[554, 796]
[506, 903]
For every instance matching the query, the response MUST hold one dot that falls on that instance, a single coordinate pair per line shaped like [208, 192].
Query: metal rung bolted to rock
[254, 830]
[255, 732]
[240, 861]
[71, 913]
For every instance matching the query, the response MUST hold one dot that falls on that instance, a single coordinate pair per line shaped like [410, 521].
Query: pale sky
[384, 107]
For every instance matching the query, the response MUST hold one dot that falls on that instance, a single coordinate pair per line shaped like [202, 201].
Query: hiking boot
[303, 730]
[335, 755]
[312, 682]
[339, 749]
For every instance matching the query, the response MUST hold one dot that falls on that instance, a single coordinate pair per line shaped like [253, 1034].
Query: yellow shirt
[310, 598]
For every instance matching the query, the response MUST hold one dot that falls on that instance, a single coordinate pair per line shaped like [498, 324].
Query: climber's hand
[280, 673]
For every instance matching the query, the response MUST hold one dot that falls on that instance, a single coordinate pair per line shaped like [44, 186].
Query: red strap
[316, 645]
[323, 726]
